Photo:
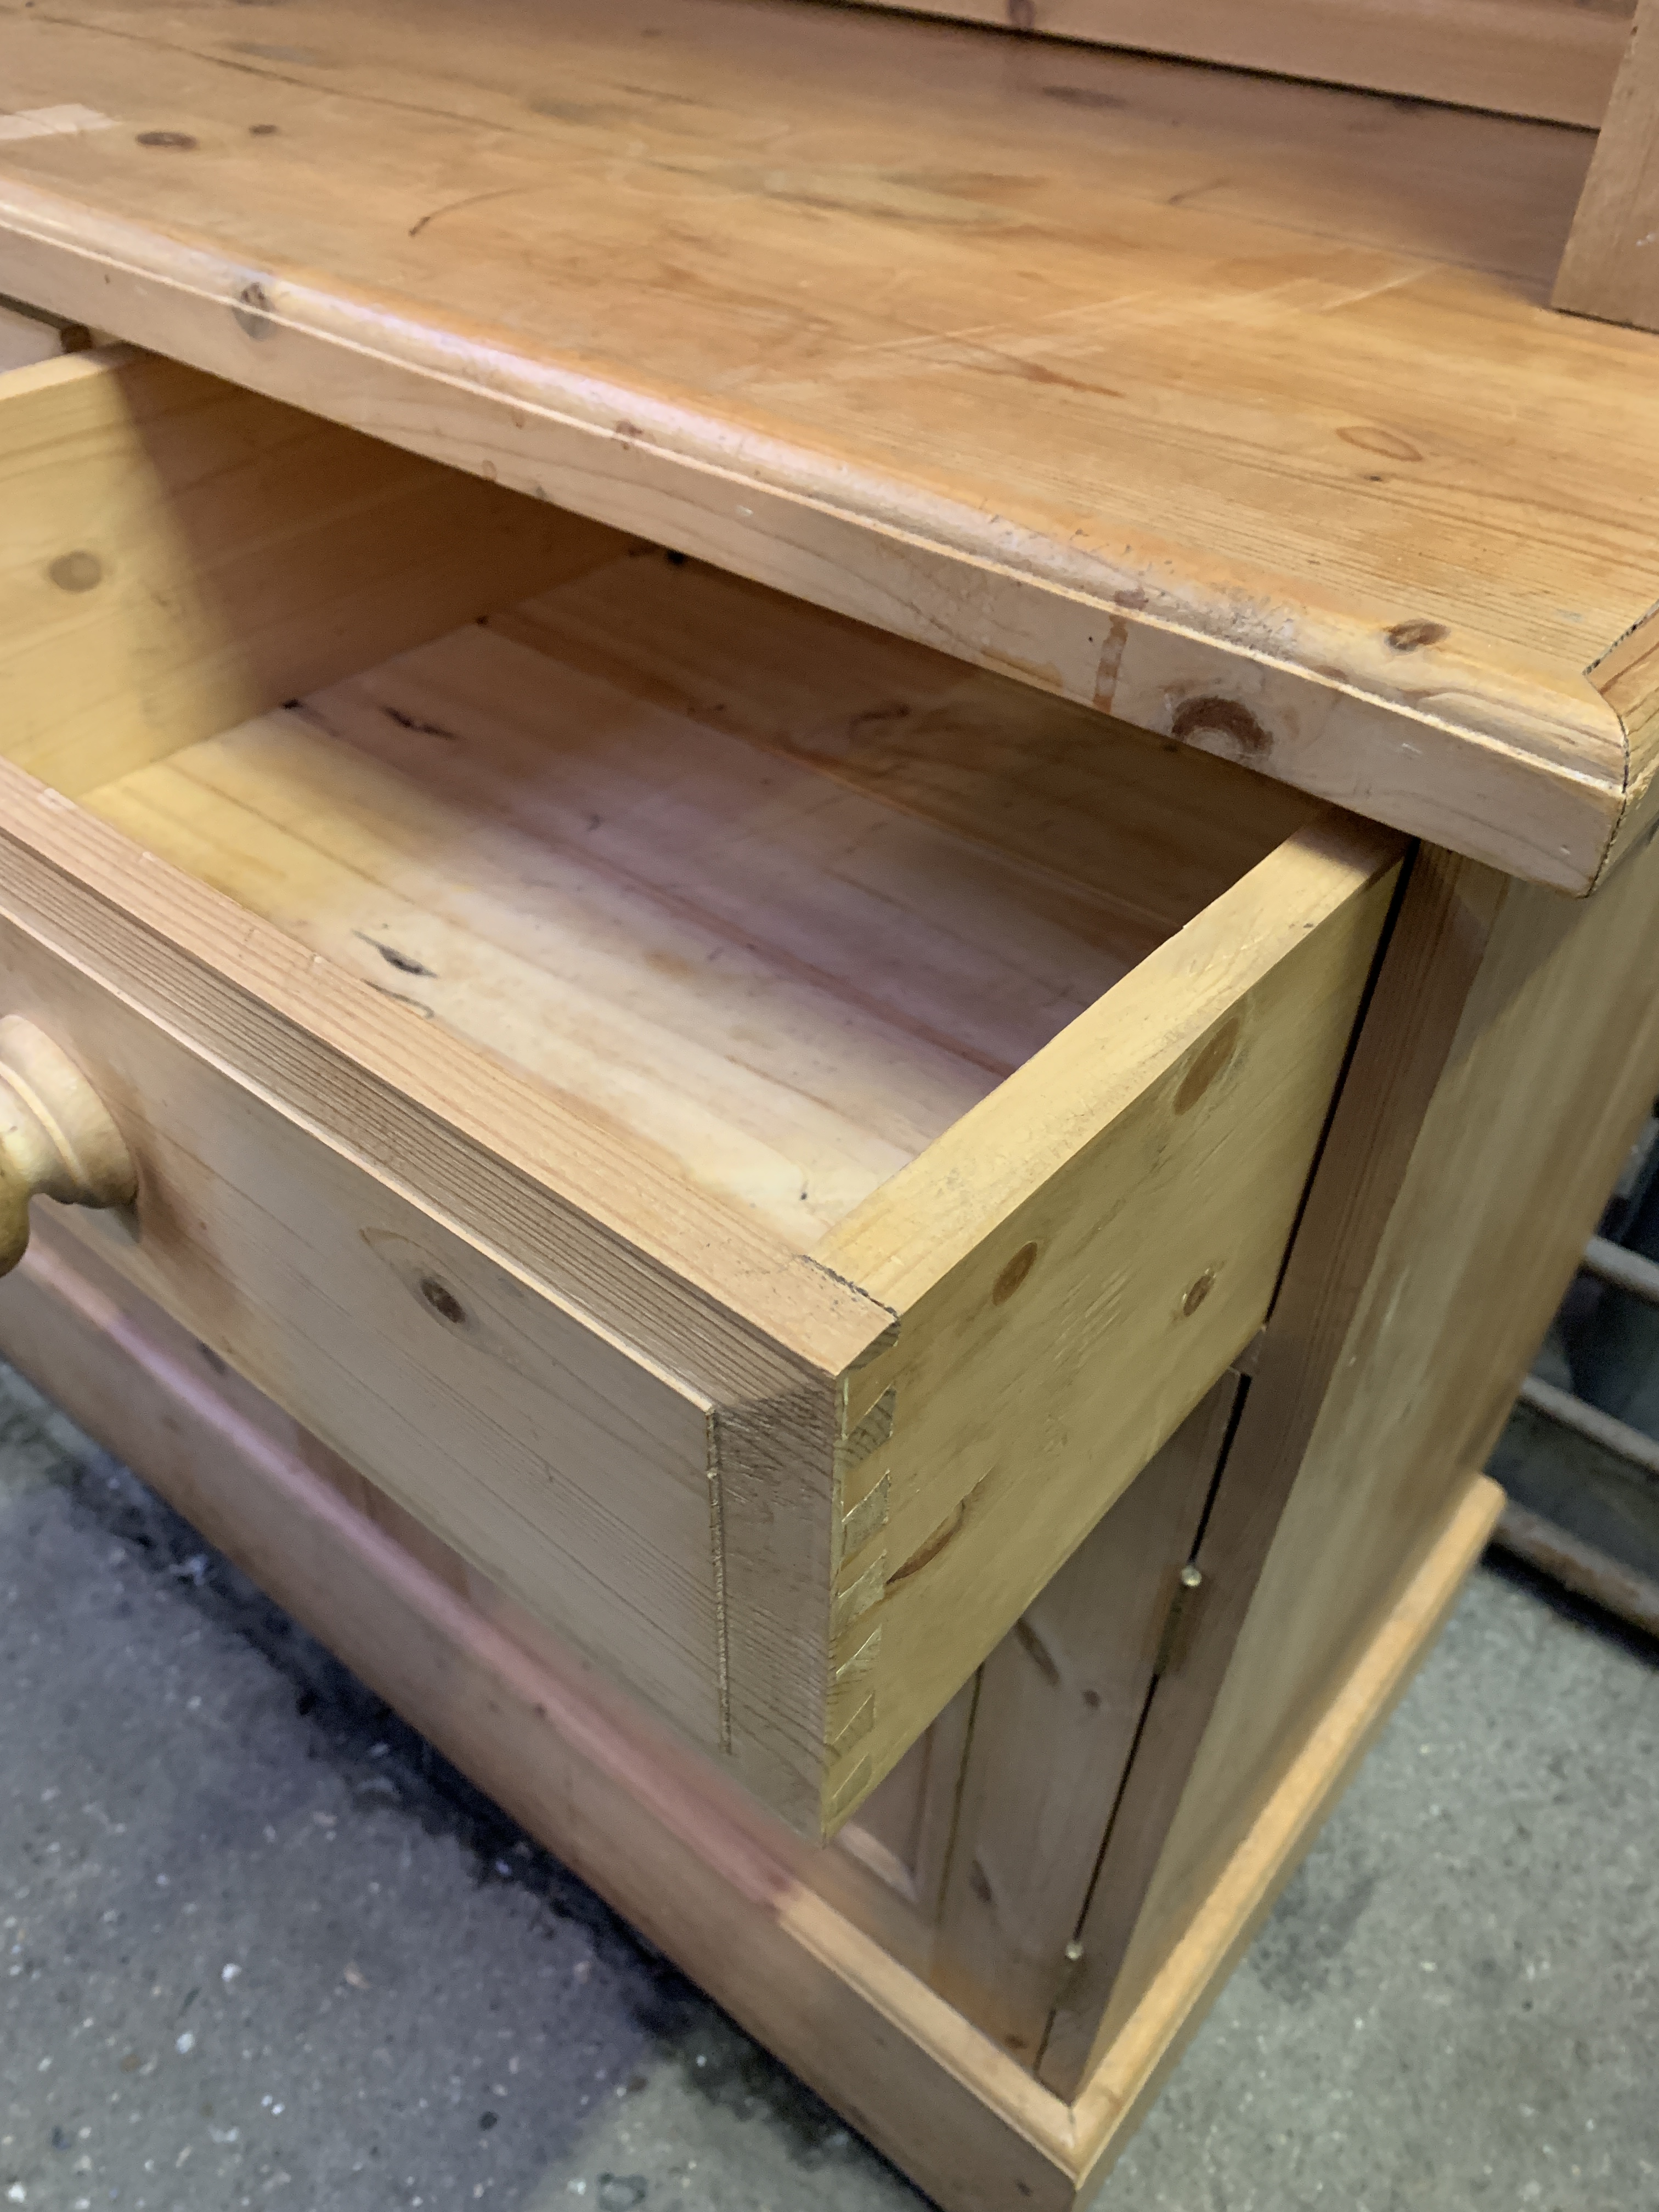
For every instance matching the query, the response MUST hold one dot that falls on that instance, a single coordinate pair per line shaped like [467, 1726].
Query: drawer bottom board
[665, 1841]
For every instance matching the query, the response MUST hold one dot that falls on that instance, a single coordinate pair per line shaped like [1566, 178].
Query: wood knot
[79, 571]
[1013, 1274]
[252, 312]
[1199, 1291]
[1371, 438]
[443, 1301]
[1207, 1064]
[1225, 718]
[929, 1549]
[1037, 1652]
[1408, 637]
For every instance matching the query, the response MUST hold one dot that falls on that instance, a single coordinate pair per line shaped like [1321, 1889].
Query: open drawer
[751, 1129]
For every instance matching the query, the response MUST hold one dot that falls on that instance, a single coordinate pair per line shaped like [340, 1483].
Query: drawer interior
[878, 1089]
[771, 894]
[776, 896]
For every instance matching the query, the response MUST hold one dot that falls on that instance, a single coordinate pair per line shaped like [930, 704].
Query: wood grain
[1607, 269]
[1547, 58]
[971, 1861]
[180, 553]
[1151, 832]
[1248, 475]
[696, 1868]
[1507, 1057]
[1124, 1199]
[742, 1025]
[565, 1468]
[885, 1870]
[688, 1861]
[755, 950]
[1059, 1710]
[289, 1208]
[1131, 2069]
[787, 988]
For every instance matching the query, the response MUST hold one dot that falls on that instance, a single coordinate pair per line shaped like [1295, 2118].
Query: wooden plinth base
[664, 1842]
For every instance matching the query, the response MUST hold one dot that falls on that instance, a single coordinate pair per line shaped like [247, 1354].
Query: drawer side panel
[180, 553]
[1077, 1315]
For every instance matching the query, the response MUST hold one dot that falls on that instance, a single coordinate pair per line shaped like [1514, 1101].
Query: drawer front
[574, 1471]
[331, 1193]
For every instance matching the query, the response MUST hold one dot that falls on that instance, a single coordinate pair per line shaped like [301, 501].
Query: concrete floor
[261, 1948]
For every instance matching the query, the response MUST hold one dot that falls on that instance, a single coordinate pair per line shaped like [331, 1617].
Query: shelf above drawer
[1540, 57]
[1226, 403]
[751, 1129]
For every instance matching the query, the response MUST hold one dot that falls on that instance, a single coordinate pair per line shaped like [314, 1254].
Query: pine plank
[755, 958]
[1056, 1722]
[1545, 58]
[782, 985]
[1108, 405]
[696, 1867]
[762, 1036]
[1124, 1199]
[180, 553]
[1507, 1057]
[1607, 269]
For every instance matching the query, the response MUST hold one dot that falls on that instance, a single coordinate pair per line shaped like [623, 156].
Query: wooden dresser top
[1229, 404]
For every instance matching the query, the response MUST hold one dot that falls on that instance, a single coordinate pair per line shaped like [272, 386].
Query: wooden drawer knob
[56, 1138]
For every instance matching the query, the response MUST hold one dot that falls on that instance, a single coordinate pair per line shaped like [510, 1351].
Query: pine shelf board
[1229, 404]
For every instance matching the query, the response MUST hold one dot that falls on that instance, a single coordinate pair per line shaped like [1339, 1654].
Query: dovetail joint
[865, 1520]
[717, 1547]
[872, 1431]
[841, 1795]
[855, 1599]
